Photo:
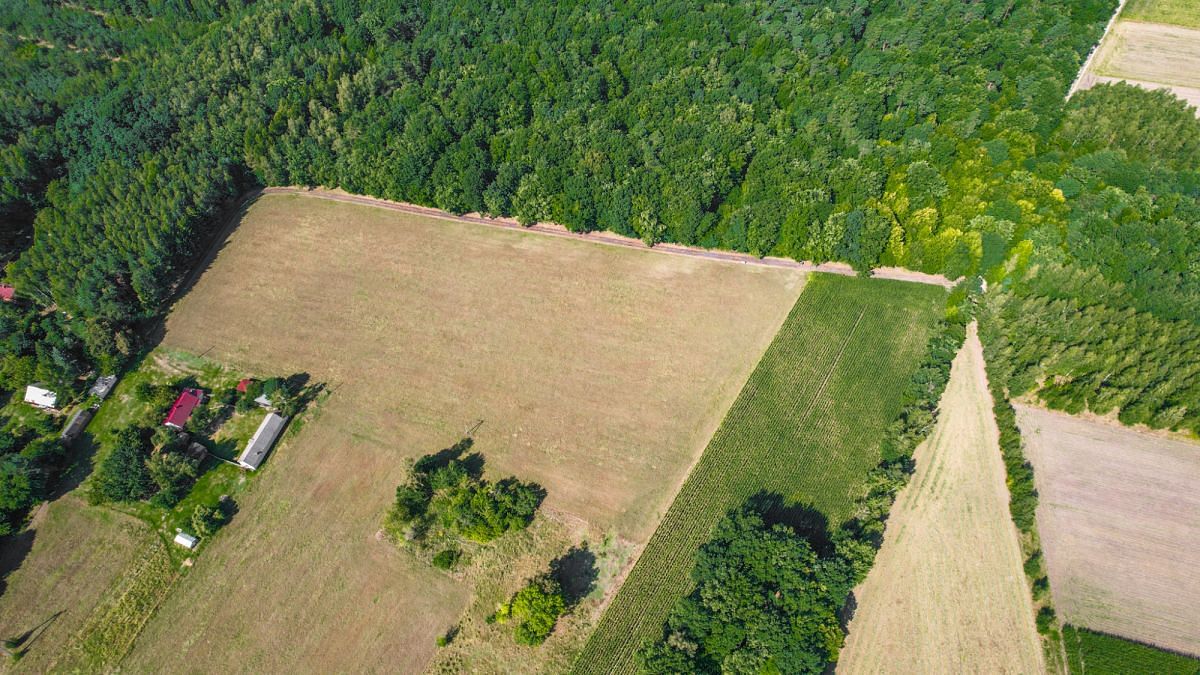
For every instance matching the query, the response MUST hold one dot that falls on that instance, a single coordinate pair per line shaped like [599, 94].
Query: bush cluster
[445, 497]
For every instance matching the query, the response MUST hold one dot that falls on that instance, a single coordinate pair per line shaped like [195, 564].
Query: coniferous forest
[931, 135]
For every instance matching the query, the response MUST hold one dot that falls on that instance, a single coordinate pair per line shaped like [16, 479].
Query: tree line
[932, 136]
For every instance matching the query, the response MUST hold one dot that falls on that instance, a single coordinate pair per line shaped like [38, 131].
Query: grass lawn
[597, 372]
[806, 426]
[1090, 653]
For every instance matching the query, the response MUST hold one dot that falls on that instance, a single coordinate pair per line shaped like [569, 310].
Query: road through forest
[896, 273]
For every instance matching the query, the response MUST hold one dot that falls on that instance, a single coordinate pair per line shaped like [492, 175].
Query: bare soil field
[1119, 516]
[75, 553]
[1178, 12]
[947, 593]
[1149, 54]
[598, 372]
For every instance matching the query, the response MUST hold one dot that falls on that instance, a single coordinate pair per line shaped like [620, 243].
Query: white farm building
[262, 440]
[186, 540]
[42, 398]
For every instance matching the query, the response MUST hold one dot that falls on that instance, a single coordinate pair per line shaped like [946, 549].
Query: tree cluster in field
[31, 456]
[446, 499]
[877, 134]
[768, 596]
[765, 601]
[533, 610]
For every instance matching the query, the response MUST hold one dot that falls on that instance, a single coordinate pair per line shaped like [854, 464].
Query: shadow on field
[13, 550]
[576, 572]
[472, 463]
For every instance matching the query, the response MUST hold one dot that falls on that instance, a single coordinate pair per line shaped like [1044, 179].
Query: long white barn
[262, 440]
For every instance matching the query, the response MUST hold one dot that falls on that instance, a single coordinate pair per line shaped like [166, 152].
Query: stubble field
[1119, 516]
[1150, 55]
[947, 593]
[597, 372]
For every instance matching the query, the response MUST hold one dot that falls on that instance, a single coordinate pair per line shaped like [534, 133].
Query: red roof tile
[7, 292]
[241, 387]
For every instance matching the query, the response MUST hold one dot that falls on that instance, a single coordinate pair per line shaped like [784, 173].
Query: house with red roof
[181, 410]
[7, 292]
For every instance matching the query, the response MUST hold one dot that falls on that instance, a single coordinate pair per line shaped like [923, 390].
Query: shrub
[206, 520]
[534, 609]
[445, 559]
[173, 474]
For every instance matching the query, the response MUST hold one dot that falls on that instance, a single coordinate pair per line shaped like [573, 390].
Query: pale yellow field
[1119, 516]
[78, 552]
[1150, 52]
[947, 593]
[598, 372]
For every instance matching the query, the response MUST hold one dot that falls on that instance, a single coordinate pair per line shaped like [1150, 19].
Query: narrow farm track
[806, 427]
[610, 239]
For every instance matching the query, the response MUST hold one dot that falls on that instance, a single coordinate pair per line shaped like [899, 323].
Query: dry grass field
[598, 372]
[947, 593]
[1151, 55]
[1119, 517]
[78, 552]
[1178, 12]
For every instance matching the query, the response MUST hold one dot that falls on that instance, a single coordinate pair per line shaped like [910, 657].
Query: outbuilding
[181, 410]
[262, 440]
[186, 540]
[103, 386]
[78, 423]
[39, 397]
[7, 292]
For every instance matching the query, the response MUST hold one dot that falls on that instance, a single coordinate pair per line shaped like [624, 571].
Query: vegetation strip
[1092, 653]
[820, 458]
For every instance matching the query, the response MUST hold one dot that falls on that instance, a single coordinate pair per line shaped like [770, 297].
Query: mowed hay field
[806, 426]
[1119, 516]
[947, 593]
[1150, 52]
[598, 372]
[67, 561]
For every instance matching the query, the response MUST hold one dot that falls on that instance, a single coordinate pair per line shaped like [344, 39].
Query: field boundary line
[609, 238]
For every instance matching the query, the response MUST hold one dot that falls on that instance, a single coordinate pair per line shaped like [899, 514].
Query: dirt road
[611, 239]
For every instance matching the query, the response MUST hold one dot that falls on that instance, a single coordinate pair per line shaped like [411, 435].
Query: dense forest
[930, 135]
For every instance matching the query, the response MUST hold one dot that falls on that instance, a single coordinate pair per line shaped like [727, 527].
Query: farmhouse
[39, 397]
[262, 440]
[182, 409]
[78, 423]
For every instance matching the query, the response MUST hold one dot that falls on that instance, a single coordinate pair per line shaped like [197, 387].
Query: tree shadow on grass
[13, 550]
[576, 573]
[472, 463]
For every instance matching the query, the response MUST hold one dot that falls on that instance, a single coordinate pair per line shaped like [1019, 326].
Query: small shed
[39, 397]
[262, 440]
[244, 384]
[186, 540]
[7, 292]
[181, 410]
[103, 386]
[264, 402]
[78, 423]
